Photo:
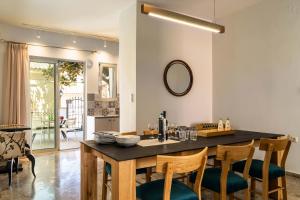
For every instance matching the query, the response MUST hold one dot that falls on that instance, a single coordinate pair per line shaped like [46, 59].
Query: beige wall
[256, 70]
[158, 43]
[127, 72]
[147, 45]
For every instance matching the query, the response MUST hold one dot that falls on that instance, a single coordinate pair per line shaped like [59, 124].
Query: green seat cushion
[211, 180]
[154, 191]
[138, 171]
[257, 168]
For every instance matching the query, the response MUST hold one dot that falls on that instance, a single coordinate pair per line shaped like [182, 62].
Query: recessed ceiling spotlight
[38, 36]
[105, 45]
[74, 41]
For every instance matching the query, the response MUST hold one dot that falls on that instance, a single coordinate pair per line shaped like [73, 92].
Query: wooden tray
[214, 132]
[155, 142]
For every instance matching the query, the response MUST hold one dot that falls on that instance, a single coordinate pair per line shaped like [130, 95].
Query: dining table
[125, 161]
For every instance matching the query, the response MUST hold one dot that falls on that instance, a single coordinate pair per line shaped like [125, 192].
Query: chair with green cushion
[146, 171]
[222, 181]
[168, 188]
[138, 171]
[107, 169]
[265, 171]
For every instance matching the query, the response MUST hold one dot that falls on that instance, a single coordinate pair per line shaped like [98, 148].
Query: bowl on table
[105, 137]
[127, 140]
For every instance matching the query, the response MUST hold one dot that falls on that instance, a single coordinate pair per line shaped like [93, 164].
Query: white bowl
[127, 140]
[105, 137]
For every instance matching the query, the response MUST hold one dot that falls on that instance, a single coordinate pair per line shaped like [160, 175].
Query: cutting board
[214, 132]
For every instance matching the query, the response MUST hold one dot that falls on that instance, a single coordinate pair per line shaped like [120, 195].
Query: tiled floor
[58, 177]
[46, 140]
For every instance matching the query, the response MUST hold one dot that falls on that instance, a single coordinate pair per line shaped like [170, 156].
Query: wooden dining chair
[150, 132]
[264, 171]
[169, 188]
[222, 180]
[145, 171]
[107, 168]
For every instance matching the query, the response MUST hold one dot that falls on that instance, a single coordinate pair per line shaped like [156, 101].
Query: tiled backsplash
[98, 107]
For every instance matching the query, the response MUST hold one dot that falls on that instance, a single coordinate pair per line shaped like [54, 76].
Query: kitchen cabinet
[107, 123]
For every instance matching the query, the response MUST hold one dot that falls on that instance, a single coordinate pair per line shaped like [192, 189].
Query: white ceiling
[99, 17]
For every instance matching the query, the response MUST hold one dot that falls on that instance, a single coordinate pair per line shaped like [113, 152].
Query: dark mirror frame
[166, 74]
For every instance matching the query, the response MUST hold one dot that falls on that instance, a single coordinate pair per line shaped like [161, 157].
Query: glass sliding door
[42, 91]
[57, 103]
[71, 104]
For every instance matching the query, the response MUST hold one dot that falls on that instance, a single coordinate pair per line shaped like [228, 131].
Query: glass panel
[42, 91]
[108, 81]
[71, 104]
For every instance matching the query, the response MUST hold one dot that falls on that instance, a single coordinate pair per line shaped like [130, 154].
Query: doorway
[57, 103]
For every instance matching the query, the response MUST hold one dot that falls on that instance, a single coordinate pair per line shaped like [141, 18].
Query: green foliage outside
[69, 71]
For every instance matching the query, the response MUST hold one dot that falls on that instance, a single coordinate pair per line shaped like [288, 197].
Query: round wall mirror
[178, 78]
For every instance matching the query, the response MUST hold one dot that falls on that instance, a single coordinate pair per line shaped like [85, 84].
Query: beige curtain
[16, 83]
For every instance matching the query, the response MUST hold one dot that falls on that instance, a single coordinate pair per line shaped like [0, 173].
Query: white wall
[256, 70]
[127, 69]
[158, 43]
[107, 55]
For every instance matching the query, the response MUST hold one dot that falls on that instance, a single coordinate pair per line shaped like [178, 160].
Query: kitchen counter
[102, 123]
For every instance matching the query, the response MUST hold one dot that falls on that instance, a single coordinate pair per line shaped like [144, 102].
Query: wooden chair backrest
[274, 145]
[129, 133]
[234, 153]
[181, 164]
[227, 155]
[150, 132]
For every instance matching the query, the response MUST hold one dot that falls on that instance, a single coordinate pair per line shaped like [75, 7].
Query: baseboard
[292, 174]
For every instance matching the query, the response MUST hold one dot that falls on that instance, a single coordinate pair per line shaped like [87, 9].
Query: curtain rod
[50, 46]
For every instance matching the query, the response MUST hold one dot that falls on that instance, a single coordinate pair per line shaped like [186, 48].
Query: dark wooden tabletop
[122, 153]
[14, 128]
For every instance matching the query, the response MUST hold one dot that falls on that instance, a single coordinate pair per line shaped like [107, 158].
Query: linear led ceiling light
[181, 19]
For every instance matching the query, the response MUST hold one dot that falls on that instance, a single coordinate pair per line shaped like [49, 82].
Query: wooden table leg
[88, 174]
[104, 182]
[123, 180]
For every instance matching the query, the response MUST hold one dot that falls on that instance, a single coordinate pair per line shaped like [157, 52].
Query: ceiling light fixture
[105, 45]
[74, 41]
[181, 18]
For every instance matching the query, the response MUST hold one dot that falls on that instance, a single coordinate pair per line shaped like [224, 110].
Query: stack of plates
[105, 137]
[127, 140]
